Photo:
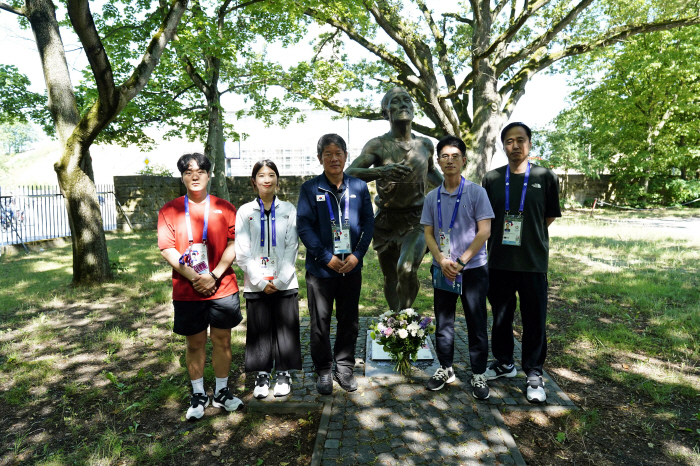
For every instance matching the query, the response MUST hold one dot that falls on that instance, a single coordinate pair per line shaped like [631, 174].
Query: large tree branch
[84, 26]
[443, 59]
[242, 5]
[18, 11]
[543, 39]
[387, 57]
[459, 18]
[515, 26]
[499, 7]
[194, 76]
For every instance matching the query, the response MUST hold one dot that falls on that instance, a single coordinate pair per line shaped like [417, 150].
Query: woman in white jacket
[266, 251]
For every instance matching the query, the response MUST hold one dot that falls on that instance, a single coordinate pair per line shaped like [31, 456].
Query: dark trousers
[273, 333]
[475, 285]
[345, 291]
[531, 288]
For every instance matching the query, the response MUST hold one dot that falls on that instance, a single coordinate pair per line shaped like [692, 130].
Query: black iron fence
[32, 213]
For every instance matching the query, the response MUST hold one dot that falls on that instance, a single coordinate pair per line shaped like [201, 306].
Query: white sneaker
[225, 399]
[283, 385]
[262, 385]
[535, 389]
[198, 403]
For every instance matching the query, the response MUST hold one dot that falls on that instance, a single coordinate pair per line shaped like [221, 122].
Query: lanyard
[454, 214]
[262, 223]
[347, 207]
[189, 225]
[522, 195]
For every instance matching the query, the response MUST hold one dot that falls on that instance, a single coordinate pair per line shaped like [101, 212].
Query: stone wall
[580, 188]
[141, 197]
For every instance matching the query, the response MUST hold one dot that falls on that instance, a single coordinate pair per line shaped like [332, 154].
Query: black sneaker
[225, 399]
[442, 376]
[480, 389]
[198, 403]
[496, 370]
[324, 384]
[346, 381]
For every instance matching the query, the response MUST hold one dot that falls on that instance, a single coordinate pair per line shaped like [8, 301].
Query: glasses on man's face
[449, 157]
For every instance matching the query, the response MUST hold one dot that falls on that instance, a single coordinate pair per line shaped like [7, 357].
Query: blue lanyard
[454, 214]
[262, 223]
[347, 207]
[189, 225]
[522, 195]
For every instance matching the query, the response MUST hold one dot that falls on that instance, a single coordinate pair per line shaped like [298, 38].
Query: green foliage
[15, 138]
[636, 113]
[155, 170]
[17, 103]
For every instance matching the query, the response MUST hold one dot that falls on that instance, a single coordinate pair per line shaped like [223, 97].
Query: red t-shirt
[172, 233]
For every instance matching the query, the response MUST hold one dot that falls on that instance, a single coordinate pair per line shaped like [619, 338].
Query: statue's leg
[387, 262]
[412, 252]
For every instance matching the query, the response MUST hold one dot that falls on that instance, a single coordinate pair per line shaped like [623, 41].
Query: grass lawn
[95, 376]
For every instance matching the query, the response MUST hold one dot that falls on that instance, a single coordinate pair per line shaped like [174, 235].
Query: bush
[155, 170]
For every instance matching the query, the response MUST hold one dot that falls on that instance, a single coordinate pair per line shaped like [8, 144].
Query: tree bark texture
[214, 148]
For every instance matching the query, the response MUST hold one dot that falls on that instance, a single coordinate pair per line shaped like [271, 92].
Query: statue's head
[397, 105]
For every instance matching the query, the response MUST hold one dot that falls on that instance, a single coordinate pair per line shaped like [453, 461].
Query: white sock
[198, 385]
[221, 382]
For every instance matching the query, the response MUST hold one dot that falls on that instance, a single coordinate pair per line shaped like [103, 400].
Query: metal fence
[32, 213]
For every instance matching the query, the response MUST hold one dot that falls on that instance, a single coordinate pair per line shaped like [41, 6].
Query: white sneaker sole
[238, 405]
[194, 416]
[261, 395]
[283, 392]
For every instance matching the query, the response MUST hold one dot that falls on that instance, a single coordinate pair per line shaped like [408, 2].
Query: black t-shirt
[541, 201]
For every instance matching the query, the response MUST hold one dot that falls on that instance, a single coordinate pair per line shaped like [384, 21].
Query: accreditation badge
[268, 267]
[445, 244]
[341, 240]
[200, 261]
[512, 230]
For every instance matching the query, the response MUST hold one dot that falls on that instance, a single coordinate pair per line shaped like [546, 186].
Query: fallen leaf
[651, 445]
[625, 366]
[216, 453]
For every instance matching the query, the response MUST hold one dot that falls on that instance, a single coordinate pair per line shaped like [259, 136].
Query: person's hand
[395, 171]
[348, 264]
[450, 268]
[335, 264]
[204, 284]
[270, 288]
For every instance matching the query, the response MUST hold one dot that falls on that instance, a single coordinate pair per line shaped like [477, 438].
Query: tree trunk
[74, 169]
[214, 148]
[90, 259]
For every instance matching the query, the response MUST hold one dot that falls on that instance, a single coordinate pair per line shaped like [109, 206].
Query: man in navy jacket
[335, 222]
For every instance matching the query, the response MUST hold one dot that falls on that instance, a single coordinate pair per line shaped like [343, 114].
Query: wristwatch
[214, 276]
[459, 261]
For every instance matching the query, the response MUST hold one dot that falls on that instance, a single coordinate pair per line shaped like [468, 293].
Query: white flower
[409, 312]
[387, 313]
[381, 327]
[403, 333]
[421, 333]
[413, 328]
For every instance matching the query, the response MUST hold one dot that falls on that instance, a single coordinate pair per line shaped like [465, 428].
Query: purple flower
[425, 322]
[391, 321]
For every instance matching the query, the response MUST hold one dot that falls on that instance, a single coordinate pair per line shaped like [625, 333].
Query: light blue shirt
[474, 207]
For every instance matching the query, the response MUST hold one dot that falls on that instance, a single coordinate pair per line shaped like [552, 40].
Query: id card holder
[512, 230]
[268, 267]
[341, 240]
[200, 261]
[445, 243]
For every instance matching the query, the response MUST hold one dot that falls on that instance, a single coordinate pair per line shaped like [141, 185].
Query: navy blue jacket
[314, 222]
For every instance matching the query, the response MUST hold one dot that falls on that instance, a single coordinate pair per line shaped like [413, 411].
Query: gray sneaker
[480, 389]
[497, 370]
[346, 381]
[442, 376]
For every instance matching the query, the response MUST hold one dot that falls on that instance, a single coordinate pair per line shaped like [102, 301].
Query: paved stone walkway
[394, 420]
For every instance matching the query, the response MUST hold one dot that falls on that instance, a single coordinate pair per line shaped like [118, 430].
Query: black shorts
[193, 317]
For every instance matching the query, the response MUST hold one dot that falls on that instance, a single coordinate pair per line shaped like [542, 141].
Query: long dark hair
[264, 163]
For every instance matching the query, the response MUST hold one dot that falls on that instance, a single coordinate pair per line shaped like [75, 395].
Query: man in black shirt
[524, 197]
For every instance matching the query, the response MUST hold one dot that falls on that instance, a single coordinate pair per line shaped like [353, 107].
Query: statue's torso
[409, 192]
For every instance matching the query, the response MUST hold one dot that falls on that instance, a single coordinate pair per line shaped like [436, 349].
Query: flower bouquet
[402, 335]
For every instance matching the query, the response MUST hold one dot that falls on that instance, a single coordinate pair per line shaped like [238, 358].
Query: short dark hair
[203, 162]
[264, 163]
[387, 98]
[453, 141]
[514, 125]
[327, 140]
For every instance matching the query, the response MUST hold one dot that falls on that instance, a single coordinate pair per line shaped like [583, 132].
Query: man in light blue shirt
[457, 220]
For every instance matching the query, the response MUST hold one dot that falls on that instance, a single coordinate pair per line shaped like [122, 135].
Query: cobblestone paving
[394, 420]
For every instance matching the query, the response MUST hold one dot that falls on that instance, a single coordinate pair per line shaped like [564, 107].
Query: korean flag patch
[320, 198]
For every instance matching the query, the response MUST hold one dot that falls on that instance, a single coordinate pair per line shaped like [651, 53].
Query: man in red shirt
[196, 236]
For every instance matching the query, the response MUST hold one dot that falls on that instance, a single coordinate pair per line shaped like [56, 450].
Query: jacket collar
[325, 184]
[256, 203]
